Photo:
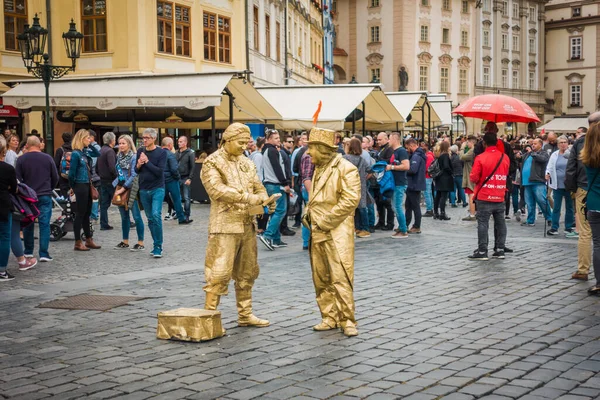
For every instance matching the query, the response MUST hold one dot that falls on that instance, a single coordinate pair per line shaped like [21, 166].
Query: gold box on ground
[189, 324]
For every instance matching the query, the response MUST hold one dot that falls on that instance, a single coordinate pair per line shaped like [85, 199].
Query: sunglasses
[289, 141]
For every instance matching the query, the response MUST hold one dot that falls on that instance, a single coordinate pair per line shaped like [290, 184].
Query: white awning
[414, 104]
[564, 125]
[443, 108]
[297, 104]
[191, 91]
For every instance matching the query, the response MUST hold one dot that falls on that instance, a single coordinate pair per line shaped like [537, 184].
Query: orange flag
[316, 114]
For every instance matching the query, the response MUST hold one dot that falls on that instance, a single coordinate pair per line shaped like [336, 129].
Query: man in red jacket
[489, 173]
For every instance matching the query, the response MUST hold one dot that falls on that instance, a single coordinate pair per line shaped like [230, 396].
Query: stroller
[64, 223]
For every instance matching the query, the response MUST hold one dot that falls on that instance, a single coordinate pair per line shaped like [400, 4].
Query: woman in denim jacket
[79, 180]
[126, 160]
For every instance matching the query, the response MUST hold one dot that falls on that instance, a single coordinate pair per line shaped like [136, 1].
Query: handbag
[93, 191]
[121, 200]
[434, 169]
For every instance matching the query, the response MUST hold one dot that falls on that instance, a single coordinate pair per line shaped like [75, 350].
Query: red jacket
[483, 166]
[429, 157]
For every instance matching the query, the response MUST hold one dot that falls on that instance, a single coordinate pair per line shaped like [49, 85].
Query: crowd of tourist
[488, 174]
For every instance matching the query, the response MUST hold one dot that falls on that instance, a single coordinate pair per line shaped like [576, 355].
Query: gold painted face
[319, 154]
[237, 146]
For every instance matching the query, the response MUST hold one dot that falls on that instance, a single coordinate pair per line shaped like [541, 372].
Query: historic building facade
[266, 41]
[572, 57]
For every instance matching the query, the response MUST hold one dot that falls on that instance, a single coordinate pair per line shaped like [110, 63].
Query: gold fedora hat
[322, 136]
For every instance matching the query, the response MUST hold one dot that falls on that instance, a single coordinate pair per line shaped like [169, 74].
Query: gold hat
[234, 130]
[322, 136]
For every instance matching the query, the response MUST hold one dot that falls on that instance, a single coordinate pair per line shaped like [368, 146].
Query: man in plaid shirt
[307, 169]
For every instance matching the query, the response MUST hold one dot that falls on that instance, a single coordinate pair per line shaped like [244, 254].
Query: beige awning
[297, 104]
[195, 91]
[414, 104]
[564, 124]
[443, 108]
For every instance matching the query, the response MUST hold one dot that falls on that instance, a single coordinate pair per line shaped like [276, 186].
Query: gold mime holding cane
[236, 196]
[330, 217]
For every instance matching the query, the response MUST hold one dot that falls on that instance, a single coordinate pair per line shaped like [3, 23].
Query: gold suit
[232, 184]
[334, 197]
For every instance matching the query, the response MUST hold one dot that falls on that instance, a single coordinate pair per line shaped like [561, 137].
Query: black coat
[445, 182]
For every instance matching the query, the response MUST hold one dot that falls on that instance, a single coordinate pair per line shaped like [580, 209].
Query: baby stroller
[64, 223]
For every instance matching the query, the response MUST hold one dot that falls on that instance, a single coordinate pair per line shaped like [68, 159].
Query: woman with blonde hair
[590, 156]
[126, 160]
[12, 148]
[80, 182]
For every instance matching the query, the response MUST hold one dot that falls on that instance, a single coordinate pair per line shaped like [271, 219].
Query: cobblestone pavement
[432, 324]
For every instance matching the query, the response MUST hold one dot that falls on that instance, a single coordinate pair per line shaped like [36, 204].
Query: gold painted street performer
[232, 183]
[330, 217]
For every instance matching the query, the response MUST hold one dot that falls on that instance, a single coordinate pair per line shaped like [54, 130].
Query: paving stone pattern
[432, 325]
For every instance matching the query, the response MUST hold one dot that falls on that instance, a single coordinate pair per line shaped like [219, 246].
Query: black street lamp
[32, 43]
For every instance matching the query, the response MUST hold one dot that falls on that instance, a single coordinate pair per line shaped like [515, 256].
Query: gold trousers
[584, 243]
[333, 284]
[231, 256]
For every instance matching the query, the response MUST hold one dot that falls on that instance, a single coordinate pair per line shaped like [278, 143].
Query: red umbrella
[496, 108]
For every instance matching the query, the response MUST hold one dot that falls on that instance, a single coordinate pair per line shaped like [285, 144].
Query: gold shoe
[350, 331]
[253, 320]
[323, 326]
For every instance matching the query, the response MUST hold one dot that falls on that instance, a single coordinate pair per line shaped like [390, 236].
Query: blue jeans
[428, 194]
[371, 210]
[536, 193]
[458, 188]
[305, 231]
[15, 239]
[185, 195]
[126, 224]
[272, 231]
[107, 191]
[5, 232]
[172, 189]
[399, 193]
[363, 219]
[559, 194]
[152, 202]
[515, 197]
[45, 206]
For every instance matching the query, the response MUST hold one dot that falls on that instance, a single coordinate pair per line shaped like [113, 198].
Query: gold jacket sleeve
[216, 188]
[347, 201]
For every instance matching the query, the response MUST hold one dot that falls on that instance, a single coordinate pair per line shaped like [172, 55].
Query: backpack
[385, 179]
[65, 164]
[434, 169]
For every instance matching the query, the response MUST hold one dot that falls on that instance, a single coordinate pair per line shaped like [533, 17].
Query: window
[374, 3]
[531, 80]
[515, 43]
[172, 15]
[486, 38]
[462, 81]
[444, 80]
[268, 35]
[505, 8]
[464, 38]
[576, 48]
[424, 33]
[486, 5]
[576, 11]
[532, 45]
[446, 36]
[465, 6]
[575, 95]
[486, 76]
[93, 20]
[532, 13]
[334, 6]
[15, 18]
[515, 79]
[256, 38]
[446, 4]
[278, 40]
[425, 2]
[217, 35]
[515, 10]
[374, 34]
[504, 78]
[376, 75]
[423, 78]
[504, 41]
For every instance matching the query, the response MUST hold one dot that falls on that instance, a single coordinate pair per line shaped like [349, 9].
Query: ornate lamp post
[32, 43]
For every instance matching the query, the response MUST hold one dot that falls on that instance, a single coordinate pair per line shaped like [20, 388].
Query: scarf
[124, 160]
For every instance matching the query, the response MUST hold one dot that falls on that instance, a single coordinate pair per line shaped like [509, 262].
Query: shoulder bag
[93, 191]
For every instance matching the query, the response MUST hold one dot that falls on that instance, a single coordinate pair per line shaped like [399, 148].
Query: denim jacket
[80, 165]
[125, 176]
